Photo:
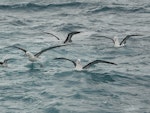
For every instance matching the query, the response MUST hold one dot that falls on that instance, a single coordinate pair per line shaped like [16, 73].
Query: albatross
[78, 65]
[122, 43]
[68, 39]
[34, 57]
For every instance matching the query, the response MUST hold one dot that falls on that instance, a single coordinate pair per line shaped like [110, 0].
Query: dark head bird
[78, 65]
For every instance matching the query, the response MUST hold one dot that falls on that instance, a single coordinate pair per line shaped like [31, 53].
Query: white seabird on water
[122, 43]
[34, 57]
[68, 39]
[78, 65]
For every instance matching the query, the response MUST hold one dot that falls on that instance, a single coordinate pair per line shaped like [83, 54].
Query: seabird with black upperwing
[34, 57]
[69, 37]
[78, 65]
[123, 42]
[4, 63]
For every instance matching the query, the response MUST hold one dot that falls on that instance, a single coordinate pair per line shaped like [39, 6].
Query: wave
[33, 6]
[119, 9]
[36, 7]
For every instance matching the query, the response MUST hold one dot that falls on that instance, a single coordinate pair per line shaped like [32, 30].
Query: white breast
[78, 67]
[31, 57]
[117, 43]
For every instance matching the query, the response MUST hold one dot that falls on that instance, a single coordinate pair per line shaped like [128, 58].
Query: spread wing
[44, 50]
[20, 49]
[126, 38]
[53, 35]
[61, 58]
[108, 38]
[97, 61]
[5, 61]
[68, 39]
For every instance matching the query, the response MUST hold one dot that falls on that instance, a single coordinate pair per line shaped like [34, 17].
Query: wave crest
[119, 9]
[32, 6]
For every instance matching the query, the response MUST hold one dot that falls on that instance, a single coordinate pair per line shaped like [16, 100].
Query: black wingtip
[111, 63]
[76, 32]
[55, 58]
[68, 39]
[6, 60]
[59, 58]
[114, 64]
[62, 45]
[20, 48]
[52, 35]
[137, 34]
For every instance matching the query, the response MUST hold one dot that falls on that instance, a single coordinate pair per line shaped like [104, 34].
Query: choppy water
[57, 87]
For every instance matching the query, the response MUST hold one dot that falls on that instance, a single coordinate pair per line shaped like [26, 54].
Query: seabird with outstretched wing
[4, 63]
[123, 42]
[34, 57]
[69, 37]
[78, 65]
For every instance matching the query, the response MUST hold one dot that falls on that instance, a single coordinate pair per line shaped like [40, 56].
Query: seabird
[68, 39]
[34, 57]
[78, 65]
[4, 63]
[122, 43]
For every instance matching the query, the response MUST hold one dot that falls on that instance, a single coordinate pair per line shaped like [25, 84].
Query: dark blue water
[57, 87]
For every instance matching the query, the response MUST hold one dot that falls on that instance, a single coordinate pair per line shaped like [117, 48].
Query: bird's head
[28, 54]
[115, 39]
[78, 61]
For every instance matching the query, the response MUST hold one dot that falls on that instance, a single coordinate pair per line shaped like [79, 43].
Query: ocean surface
[56, 87]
